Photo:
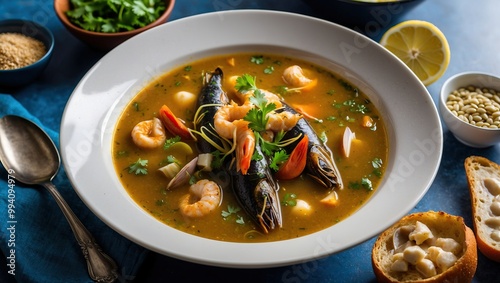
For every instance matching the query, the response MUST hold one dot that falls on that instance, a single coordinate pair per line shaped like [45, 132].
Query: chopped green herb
[230, 211]
[331, 92]
[377, 167]
[240, 220]
[259, 60]
[136, 106]
[139, 167]
[245, 83]
[269, 70]
[279, 158]
[122, 153]
[366, 183]
[257, 156]
[188, 68]
[269, 147]
[171, 141]
[281, 89]
[360, 108]
[193, 180]
[289, 199]
[377, 162]
[172, 159]
[323, 137]
[347, 86]
[349, 103]
[354, 185]
[218, 159]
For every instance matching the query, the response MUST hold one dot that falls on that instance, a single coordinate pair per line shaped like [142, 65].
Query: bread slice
[483, 177]
[441, 226]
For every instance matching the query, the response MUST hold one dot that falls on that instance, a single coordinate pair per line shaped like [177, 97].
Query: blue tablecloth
[471, 29]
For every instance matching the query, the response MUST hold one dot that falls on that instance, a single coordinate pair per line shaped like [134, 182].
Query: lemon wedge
[421, 46]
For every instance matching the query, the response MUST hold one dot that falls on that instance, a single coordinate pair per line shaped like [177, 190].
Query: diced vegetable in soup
[250, 148]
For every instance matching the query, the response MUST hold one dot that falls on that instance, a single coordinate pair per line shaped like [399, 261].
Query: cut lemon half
[421, 46]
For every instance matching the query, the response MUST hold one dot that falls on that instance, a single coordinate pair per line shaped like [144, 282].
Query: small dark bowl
[368, 17]
[101, 40]
[25, 75]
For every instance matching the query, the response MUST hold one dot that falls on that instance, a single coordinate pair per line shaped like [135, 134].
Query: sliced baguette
[442, 225]
[485, 199]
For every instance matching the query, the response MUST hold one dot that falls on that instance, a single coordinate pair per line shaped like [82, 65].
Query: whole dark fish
[257, 193]
[320, 163]
[211, 98]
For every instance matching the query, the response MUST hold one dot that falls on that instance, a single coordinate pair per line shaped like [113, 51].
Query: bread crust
[477, 168]
[442, 225]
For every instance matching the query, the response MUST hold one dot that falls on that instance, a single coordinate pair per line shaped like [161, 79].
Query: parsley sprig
[139, 167]
[245, 83]
[257, 116]
[232, 210]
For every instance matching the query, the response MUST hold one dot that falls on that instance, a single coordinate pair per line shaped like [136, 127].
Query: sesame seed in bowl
[25, 51]
[18, 50]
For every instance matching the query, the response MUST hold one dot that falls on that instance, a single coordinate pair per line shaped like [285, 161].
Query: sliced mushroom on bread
[483, 176]
[426, 247]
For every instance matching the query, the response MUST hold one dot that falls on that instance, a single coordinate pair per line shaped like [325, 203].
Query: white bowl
[414, 129]
[466, 133]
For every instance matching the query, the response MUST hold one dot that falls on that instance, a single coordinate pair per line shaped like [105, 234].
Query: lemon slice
[421, 46]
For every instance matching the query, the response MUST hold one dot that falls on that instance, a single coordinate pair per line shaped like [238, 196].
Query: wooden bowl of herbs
[104, 25]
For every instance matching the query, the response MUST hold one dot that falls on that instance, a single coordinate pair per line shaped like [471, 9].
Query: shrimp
[229, 124]
[283, 121]
[295, 77]
[269, 96]
[149, 134]
[207, 197]
[245, 141]
[226, 115]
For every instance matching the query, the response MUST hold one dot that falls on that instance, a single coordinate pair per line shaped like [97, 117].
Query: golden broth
[333, 101]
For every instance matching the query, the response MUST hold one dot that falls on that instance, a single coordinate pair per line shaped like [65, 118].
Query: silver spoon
[29, 153]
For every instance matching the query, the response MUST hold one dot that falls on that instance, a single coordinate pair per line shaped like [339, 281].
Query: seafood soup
[250, 148]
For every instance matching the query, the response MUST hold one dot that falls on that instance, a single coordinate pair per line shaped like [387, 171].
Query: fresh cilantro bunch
[111, 16]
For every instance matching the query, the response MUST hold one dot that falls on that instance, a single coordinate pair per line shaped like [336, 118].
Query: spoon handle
[100, 266]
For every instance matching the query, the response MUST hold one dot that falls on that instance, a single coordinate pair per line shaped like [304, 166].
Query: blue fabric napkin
[39, 246]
